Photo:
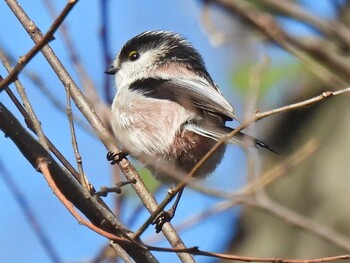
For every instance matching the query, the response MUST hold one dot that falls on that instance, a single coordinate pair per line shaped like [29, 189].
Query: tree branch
[23, 61]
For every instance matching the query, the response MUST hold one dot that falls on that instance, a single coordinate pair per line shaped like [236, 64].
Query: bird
[168, 112]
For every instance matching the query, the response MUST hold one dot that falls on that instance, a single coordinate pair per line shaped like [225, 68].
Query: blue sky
[72, 241]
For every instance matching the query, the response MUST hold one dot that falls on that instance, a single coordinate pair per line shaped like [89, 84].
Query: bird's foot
[116, 157]
[162, 218]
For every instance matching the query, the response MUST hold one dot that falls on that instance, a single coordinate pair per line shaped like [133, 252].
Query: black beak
[111, 70]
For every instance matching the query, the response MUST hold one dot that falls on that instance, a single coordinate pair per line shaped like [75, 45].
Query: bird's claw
[116, 157]
[162, 218]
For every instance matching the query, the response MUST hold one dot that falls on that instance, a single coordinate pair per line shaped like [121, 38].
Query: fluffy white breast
[146, 125]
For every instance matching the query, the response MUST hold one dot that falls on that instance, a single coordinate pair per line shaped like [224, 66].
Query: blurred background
[298, 209]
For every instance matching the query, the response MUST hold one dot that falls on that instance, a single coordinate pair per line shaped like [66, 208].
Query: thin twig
[84, 181]
[298, 105]
[75, 60]
[23, 61]
[196, 251]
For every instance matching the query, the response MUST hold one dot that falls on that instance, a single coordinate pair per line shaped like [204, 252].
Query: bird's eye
[133, 55]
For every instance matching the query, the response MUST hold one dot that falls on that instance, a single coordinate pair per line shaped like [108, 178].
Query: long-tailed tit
[167, 111]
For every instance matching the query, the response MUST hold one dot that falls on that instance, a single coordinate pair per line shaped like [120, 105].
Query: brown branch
[23, 61]
[273, 260]
[283, 213]
[298, 105]
[196, 251]
[42, 164]
[329, 28]
[88, 86]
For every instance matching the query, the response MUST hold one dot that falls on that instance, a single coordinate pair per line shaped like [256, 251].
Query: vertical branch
[84, 181]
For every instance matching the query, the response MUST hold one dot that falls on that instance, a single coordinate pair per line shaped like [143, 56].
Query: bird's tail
[216, 133]
[244, 139]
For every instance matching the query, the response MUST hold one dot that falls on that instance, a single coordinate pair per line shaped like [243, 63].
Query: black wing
[194, 94]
